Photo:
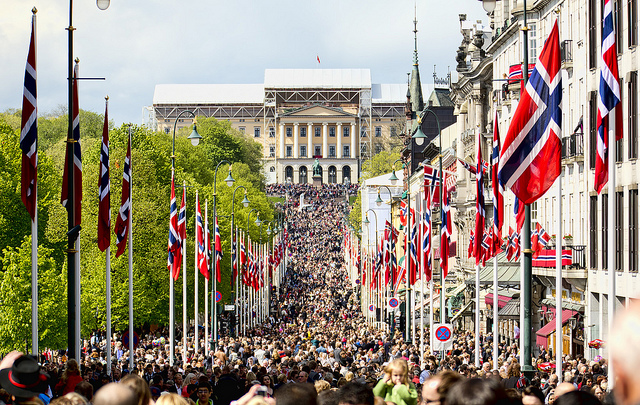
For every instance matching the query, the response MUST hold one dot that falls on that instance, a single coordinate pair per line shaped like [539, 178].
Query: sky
[136, 44]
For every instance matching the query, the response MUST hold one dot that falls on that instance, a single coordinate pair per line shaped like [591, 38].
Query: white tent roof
[208, 94]
[317, 78]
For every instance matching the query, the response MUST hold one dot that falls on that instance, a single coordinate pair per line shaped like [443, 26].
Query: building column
[354, 136]
[339, 140]
[281, 141]
[296, 132]
[309, 141]
[325, 140]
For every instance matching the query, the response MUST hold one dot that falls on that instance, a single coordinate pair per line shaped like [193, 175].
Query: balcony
[566, 54]
[576, 267]
[573, 148]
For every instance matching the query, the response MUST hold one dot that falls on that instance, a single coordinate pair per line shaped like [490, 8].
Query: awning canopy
[502, 300]
[549, 328]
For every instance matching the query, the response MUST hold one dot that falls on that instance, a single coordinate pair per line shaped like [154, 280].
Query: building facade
[337, 116]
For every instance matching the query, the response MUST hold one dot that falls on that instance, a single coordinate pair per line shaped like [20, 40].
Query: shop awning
[549, 328]
[502, 300]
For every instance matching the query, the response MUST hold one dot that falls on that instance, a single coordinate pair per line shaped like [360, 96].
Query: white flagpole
[495, 311]
[78, 286]
[611, 259]
[559, 331]
[108, 288]
[131, 332]
[431, 314]
[520, 339]
[185, 320]
[476, 349]
[196, 333]
[206, 284]
[235, 247]
[34, 279]
[172, 339]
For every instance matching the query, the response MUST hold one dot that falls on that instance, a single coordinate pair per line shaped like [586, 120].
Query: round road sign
[393, 302]
[218, 296]
[357, 281]
[372, 308]
[443, 333]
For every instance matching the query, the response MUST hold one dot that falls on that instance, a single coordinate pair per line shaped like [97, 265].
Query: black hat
[24, 379]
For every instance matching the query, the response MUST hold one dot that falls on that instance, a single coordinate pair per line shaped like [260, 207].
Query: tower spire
[415, 87]
[415, 33]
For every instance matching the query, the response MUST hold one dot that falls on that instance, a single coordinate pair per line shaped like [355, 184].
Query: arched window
[302, 175]
[333, 177]
[346, 174]
[288, 173]
[272, 169]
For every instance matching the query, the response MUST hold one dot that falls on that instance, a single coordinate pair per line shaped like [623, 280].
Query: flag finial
[34, 10]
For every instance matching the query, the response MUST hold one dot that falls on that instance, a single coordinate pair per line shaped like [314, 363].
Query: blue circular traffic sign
[372, 308]
[443, 333]
[218, 296]
[393, 303]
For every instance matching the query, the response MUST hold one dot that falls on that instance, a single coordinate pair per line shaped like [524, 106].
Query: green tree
[379, 164]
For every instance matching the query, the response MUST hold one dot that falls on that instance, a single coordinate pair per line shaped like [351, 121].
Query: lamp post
[234, 250]
[73, 276]
[214, 327]
[195, 140]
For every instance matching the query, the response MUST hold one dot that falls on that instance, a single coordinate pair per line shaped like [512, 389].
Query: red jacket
[72, 381]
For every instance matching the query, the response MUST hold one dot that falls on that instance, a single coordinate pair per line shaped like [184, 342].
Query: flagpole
[34, 277]
[476, 349]
[495, 310]
[77, 288]
[611, 259]
[559, 331]
[195, 283]
[185, 320]
[108, 289]
[130, 230]
[206, 284]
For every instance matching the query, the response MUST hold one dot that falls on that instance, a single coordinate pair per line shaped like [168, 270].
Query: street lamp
[73, 279]
[103, 4]
[489, 5]
[229, 180]
[393, 178]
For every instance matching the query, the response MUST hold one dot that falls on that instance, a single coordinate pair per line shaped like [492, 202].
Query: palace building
[298, 115]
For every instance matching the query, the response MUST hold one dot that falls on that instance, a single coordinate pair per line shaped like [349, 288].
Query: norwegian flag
[123, 222]
[539, 239]
[403, 213]
[431, 177]
[208, 250]
[29, 129]
[234, 257]
[218, 250]
[472, 169]
[250, 264]
[445, 235]
[243, 261]
[511, 244]
[518, 211]
[104, 204]
[424, 253]
[470, 251]
[182, 219]
[202, 264]
[515, 74]
[516, 242]
[534, 238]
[485, 246]
[498, 190]
[530, 158]
[414, 274]
[175, 242]
[480, 212]
[77, 158]
[609, 97]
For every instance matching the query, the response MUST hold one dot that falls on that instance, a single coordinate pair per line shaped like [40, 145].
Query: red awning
[546, 330]
[502, 300]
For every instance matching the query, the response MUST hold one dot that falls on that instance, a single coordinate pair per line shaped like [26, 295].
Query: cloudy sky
[137, 44]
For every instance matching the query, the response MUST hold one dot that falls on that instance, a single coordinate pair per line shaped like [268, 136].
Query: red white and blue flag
[609, 97]
[471, 249]
[498, 190]
[472, 169]
[431, 177]
[29, 129]
[123, 221]
[234, 256]
[426, 254]
[511, 244]
[480, 211]
[175, 242]
[445, 235]
[518, 211]
[202, 264]
[104, 199]
[530, 157]
[77, 158]
[218, 250]
[414, 273]
[182, 219]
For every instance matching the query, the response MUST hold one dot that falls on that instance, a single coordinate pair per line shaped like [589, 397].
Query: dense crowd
[316, 348]
[326, 191]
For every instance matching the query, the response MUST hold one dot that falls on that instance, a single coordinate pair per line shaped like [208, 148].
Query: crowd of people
[326, 191]
[316, 348]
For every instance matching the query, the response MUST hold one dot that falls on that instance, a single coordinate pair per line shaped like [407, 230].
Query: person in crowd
[625, 355]
[395, 385]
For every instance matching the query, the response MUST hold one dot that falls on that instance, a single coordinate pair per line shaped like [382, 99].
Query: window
[256, 132]
[632, 23]
[593, 234]
[243, 129]
[632, 97]
[633, 230]
[378, 148]
[272, 169]
[605, 229]
[394, 131]
[332, 132]
[167, 130]
[345, 151]
[303, 151]
[593, 113]
[617, 23]
[620, 142]
[593, 22]
[317, 131]
[317, 151]
[289, 151]
[272, 151]
[302, 175]
[289, 132]
[619, 230]
[345, 131]
[272, 132]
[533, 43]
[303, 132]
[378, 132]
[332, 151]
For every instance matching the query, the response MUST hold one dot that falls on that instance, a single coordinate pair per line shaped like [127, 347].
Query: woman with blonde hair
[395, 386]
[171, 399]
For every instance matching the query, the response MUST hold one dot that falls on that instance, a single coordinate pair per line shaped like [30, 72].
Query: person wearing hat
[21, 376]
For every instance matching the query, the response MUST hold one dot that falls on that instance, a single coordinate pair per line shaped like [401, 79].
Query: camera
[262, 391]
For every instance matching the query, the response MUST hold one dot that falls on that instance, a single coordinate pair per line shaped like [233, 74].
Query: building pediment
[317, 111]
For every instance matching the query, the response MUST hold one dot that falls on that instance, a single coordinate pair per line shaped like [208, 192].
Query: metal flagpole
[131, 332]
[185, 320]
[476, 349]
[431, 314]
[559, 331]
[34, 277]
[611, 262]
[195, 282]
[78, 286]
[234, 236]
[206, 284]
[108, 289]
[495, 310]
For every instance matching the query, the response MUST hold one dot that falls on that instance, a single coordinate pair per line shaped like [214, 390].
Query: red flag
[445, 235]
[318, 58]
[175, 242]
[74, 148]
[122, 223]
[480, 213]
[104, 204]
[29, 129]
[498, 190]
[203, 265]
[218, 248]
